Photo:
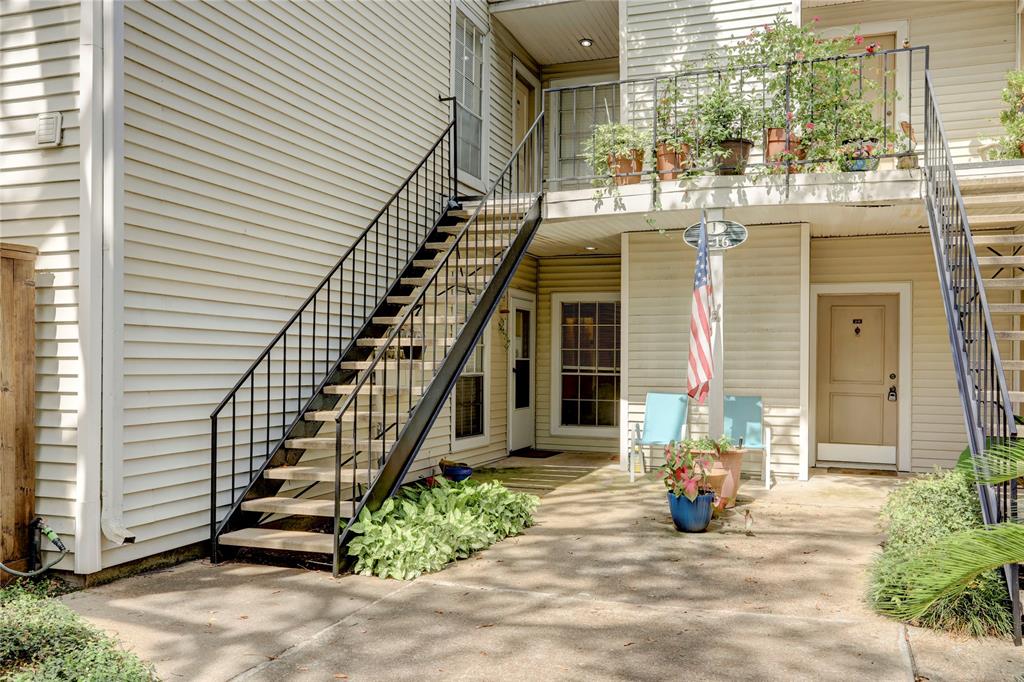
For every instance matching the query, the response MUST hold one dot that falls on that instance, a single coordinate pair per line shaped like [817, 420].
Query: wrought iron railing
[780, 121]
[267, 404]
[988, 413]
[398, 395]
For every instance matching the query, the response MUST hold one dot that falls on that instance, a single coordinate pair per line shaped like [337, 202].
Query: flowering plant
[1011, 145]
[686, 470]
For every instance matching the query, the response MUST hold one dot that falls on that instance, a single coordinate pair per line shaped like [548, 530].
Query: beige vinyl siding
[662, 36]
[578, 275]
[938, 434]
[39, 192]
[762, 330]
[972, 46]
[260, 139]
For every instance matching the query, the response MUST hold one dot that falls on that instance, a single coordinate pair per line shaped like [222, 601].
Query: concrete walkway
[601, 588]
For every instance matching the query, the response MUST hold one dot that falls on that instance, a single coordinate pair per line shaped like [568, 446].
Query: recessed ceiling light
[590, 248]
[586, 42]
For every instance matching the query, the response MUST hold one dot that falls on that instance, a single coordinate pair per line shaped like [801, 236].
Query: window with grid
[468, 63]
[590, 363]
[579, 111]
[469, 397]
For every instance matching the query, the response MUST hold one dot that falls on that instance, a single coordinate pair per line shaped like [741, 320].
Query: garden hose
[52, 536]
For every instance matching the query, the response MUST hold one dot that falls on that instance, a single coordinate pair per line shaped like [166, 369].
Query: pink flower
[808, 127]
[815, 19]
[799, 56]
[858, 40]
[789, 115]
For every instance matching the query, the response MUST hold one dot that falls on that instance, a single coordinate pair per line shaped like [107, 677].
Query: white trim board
[905, 291]
[457, 6]
[555, 426]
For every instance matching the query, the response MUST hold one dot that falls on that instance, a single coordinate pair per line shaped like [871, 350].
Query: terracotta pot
[626, 169]
[775, 147]
[1022, 150]
[736, 154]
[672, 162]
[716, 480]
[731, 462]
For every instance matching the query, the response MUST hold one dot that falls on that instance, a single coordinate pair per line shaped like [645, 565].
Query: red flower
[858, 40]
[871, 48]
[808, 127]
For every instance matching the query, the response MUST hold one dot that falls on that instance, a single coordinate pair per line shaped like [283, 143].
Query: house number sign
[722, 234]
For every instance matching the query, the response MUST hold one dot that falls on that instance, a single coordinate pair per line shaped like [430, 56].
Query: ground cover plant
[424, 528]
[919, 517]
[42, 640]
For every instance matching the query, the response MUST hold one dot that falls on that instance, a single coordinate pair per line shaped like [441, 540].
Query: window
[580, 110]
[589, 348]
[470, 397]
[469, 70]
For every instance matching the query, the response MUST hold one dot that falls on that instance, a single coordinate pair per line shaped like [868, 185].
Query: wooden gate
[17, 403]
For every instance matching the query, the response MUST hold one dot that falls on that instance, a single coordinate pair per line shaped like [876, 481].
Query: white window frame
[470, 442]
[557, 428]
[478, 184]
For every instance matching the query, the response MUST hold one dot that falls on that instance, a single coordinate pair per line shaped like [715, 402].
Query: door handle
[892, 394]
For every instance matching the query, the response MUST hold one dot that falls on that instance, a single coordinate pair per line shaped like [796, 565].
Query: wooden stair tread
[379, 414]
[314, 472]
[327, 442]
[428, 319]
[998, 239]
[1004, 283]
[1006, 308]
[987, 221]
[402, 340]
[1001, 260]
[991, 185]
[273, 538]
[390, 365]
[996, 199]
[1009, 335]
[298, 506]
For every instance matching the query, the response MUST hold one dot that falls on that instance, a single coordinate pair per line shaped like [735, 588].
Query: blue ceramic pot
[691, 517]
[456, 474]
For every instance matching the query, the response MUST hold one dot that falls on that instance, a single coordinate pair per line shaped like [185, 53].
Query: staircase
[329, 418]
[974, 227]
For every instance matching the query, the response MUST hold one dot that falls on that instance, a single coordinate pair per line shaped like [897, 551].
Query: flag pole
[716, 395]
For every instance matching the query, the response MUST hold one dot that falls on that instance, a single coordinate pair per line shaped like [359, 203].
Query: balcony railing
[846, 113]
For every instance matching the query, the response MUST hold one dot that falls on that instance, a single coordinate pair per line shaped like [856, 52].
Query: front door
[857, 401]
[521, 394]
[524, 107]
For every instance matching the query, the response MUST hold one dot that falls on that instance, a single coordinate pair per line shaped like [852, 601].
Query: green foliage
[920, 516]
[614, 140]
[709, 444]
[422, 529]
[725, 112]
[1012, 118]
[41, 639]
[686, 469]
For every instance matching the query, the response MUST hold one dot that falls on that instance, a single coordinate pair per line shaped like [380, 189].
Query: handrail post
[213, 488]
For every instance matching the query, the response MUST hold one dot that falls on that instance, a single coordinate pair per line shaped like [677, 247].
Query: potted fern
[686, 473]
[725, 123]
[617, 151]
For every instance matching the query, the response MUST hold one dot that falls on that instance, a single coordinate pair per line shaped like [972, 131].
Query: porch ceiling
[550, 30]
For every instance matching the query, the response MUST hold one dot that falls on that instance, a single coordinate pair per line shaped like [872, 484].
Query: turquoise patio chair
[664, 422]
[744, 425]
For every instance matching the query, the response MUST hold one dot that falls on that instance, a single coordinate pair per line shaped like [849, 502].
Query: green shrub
[423, 529]
[917, 515]
[41, 639]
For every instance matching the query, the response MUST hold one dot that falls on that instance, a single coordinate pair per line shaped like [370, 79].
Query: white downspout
[112, 494]
[90, 274]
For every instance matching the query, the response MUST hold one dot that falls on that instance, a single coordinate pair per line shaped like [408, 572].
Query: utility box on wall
[17, 403]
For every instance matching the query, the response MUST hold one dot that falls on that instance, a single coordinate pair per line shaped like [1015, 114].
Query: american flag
[698, 377]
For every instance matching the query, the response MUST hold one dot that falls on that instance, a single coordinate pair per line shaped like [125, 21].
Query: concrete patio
[601, 588]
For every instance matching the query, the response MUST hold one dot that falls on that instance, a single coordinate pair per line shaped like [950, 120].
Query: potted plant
[617, 150]
[673, 148]
[1011, 145]
[725, 470]
[725, 123]
[690, 497]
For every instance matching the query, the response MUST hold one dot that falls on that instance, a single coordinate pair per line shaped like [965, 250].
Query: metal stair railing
[269, 401]
[988, 413]
[421, 356]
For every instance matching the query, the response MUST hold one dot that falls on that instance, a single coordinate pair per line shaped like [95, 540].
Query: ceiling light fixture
[586, 42]
[590, 248]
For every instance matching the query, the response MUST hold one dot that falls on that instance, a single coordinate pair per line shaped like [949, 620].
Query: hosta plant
[422, 529]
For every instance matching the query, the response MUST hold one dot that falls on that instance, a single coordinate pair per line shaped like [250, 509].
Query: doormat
[861, 472]
[534, 454]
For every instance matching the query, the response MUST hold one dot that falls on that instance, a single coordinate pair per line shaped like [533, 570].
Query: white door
[522, 335]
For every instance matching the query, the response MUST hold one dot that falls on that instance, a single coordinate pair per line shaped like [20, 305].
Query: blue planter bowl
[457, 474]
[691, 517]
